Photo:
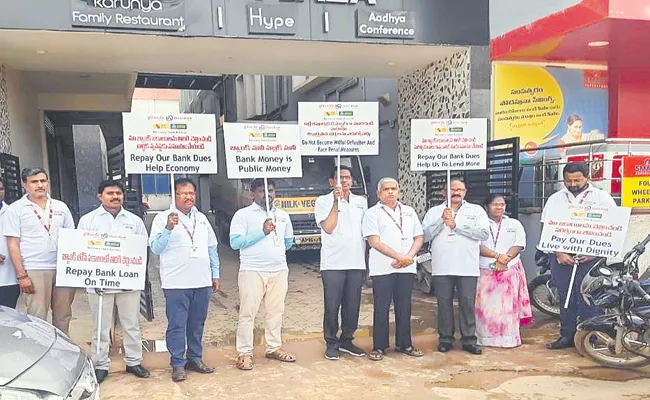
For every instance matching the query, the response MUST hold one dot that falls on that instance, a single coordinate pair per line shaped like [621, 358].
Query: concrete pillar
[5, 125]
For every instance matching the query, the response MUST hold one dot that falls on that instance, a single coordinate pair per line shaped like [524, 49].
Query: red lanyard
[399, 226]
[496, 239]
[40, 218]
[581, 200]
[191, 235]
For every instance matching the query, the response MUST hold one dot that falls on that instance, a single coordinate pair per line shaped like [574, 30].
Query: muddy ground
[528, 372]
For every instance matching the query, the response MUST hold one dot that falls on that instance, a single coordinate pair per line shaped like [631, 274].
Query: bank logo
[179, 126]
[255, 134]
[456, 129]
[160, 126]
[442, 130]
[269, 134]
[112, 244]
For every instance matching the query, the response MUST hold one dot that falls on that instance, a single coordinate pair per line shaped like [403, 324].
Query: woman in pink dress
[502, 302]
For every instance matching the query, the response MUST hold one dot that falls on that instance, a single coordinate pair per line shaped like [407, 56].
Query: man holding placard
[262, 233]
[32, 231]
[455, 230]
[577, 191]
[111, 217]
[189, 274]
[394, 232]
[339, 215]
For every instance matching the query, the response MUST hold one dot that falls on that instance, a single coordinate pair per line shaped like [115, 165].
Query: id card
[406, 244]
[451, 237]
[276, 239]
[51, 246]
[194, 252]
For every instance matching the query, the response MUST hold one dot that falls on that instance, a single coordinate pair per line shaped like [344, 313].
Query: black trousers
[397, 288]
[341, 291]
[444, 289]
[9, 295]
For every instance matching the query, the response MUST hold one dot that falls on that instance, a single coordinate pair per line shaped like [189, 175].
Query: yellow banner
[636, 192]
[296, 205]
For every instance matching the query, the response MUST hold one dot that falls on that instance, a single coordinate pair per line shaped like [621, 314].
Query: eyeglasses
[186, 194]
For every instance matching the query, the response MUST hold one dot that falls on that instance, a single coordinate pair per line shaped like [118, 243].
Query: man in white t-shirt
[111, 217]
[394, 233]
[32, 231]
[342, 262]
[189, 274]
[262, 240]
[577, 190]
[9, 289]
[455, 229]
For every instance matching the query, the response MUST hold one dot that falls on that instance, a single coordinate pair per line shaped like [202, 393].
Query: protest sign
[339, 128]
[170, 144]
[255, 150]
[585, 230]
[448, 144]
[635, 191]
[101, 260]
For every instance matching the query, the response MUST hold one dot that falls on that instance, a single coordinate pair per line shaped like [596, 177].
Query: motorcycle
[424, 277]
[541, 290]
[620, 338]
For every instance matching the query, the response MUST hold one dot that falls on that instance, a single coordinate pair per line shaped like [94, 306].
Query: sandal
[376, 355]
[410, 351]
[281, 355]
[245, 362]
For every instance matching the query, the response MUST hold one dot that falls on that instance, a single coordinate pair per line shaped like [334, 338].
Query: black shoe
[351, 348]
[138, 370]
[178, 374]
[444, 347]
[331, 353]
[199, 366]
[561, 343]
[101, 374]
[472, 349]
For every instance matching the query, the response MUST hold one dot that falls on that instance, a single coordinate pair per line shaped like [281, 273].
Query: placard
[88, 259]
[585, 230]
[635, 192]
[448, 144]
[257, 150]
[170, 144]
[339, 128]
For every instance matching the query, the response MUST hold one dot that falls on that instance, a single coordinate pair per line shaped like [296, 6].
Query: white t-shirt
[267, 255]
[592, 196]
[382, 221]
[506, 235]
[100, 220]
[7, 272]
[177, 269]
[453, 253]
[345, 247]
[22, 221]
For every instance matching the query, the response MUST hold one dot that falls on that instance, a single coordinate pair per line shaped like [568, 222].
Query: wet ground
[528, 372]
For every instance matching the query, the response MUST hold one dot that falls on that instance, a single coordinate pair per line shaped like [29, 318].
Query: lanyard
[40, 218]
[496, 239]
[191, 235]
[399, 226]
[581, 200]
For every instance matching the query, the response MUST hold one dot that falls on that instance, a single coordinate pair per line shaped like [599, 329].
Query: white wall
[26, 121]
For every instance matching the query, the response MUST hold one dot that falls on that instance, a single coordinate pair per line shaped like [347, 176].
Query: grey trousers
[444, 290]
[128, 312]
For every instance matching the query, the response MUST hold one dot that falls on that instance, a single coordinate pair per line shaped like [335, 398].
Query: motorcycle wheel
[597, 346]
[545, 299]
